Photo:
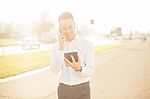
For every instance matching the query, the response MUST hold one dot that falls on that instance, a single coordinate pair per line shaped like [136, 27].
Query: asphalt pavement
[121, 73]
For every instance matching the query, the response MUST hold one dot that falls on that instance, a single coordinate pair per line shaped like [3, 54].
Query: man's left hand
[75, 65]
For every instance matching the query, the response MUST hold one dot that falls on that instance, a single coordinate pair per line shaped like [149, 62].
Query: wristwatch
[79, 69]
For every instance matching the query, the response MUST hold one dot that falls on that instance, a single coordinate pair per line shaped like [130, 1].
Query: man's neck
[70, 40]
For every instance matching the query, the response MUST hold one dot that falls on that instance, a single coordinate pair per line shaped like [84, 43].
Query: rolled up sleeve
[57, 60]
[89, 68]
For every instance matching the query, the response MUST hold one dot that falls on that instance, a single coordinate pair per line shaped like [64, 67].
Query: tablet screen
[74, 54]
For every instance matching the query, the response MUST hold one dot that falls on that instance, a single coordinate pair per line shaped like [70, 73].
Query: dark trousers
[80, 91]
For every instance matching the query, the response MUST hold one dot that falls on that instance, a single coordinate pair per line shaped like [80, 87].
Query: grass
[8, 41]
[12, 65]
[100, 48]
[15, 64]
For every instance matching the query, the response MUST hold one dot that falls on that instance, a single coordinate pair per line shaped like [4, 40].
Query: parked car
[30, 42]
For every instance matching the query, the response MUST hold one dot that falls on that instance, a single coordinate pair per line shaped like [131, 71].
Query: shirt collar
[76, 37]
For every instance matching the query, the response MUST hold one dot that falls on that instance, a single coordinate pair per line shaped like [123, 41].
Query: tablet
[74, 54]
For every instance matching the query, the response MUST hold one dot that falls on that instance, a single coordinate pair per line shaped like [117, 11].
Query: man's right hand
[61, 41]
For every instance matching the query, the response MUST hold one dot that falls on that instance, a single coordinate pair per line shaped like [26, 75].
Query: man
[74, 76]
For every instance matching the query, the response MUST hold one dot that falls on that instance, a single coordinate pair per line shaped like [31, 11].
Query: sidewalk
[38, 85]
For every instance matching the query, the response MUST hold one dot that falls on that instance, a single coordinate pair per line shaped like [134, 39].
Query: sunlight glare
[23, 11]
[128, 14]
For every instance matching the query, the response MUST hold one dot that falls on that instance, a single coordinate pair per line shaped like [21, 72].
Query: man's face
[67, 27]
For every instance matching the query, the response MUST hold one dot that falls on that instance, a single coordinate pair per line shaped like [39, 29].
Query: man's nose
[67, 31]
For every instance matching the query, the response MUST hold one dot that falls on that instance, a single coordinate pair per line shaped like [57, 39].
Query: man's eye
[70, 27]
[64, 28]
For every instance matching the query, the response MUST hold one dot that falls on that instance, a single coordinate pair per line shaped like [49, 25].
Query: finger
[78, 59]
[73, 60]
[66, 60]
[69, 63]
[61, 35]
[66, 63]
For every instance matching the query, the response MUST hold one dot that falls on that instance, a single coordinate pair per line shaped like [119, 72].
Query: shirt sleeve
[57, 60]
[89, 68]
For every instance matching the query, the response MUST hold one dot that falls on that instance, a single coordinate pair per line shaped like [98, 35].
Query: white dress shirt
[67, 74]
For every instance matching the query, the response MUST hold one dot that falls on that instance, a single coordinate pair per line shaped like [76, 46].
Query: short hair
[65, 15]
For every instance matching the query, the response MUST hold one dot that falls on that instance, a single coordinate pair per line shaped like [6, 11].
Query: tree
[116, 31]
[6, 29]
[43, 25]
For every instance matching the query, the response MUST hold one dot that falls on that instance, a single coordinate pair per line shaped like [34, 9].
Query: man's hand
[61, 41]
[75, 65]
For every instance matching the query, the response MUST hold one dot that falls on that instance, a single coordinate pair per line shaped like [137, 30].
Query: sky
[131, 15]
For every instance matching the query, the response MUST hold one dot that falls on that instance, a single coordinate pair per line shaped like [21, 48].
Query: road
[122, 73]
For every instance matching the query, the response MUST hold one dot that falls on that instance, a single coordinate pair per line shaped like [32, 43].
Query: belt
[85, 83]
